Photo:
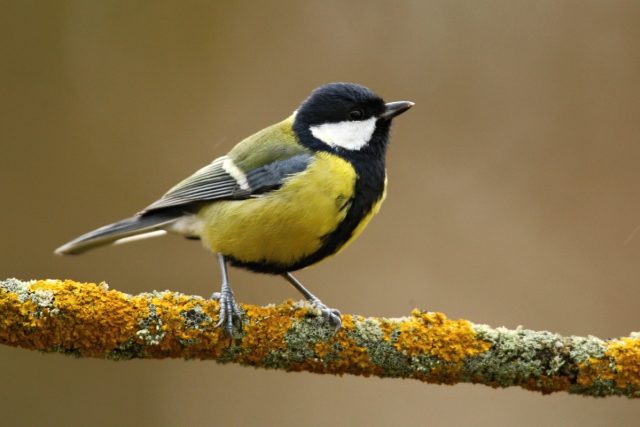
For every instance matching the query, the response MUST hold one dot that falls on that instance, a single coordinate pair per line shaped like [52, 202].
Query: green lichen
[383, 353]
[150, 327]
[584, 348]
[196, 318]
[300, 341]
[518, 356]
[42, 298]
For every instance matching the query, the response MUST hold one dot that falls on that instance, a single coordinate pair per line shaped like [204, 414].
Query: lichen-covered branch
[89, 320]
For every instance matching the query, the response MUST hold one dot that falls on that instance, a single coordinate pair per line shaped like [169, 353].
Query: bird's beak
[393, 109]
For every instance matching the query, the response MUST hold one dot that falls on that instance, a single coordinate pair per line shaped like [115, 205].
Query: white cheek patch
[352, 135]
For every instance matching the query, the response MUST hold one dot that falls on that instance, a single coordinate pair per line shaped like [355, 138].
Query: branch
[89, 320]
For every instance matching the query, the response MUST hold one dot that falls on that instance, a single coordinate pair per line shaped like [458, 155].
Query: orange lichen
[89, 305]
[433, 334]
[322, 349]
[17, 317]
[90, 320]
[351, 357]
[267, 330]
[626, 354]
[339, 354]
[620, 364]
[169, 308]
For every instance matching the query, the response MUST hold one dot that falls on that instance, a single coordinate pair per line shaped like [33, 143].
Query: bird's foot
[331, 314]
[229, 310]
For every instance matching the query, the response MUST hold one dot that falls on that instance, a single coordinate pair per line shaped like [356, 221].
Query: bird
[285, 198]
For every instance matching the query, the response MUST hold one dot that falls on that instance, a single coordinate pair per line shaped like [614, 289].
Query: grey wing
[222, 179]
[211, 182]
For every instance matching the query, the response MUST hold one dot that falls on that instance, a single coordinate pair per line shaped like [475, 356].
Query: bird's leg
[228, 307]
[331, 314]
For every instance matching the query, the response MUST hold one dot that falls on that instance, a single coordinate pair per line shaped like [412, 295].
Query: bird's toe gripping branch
[229, 310]
[332, 315]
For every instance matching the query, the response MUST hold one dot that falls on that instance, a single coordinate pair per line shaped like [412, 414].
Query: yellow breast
[285, 225]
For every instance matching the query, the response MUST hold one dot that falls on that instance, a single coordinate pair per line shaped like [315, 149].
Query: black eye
[356, 114]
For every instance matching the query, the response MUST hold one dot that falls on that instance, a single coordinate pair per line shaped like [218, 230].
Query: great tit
[282, 199]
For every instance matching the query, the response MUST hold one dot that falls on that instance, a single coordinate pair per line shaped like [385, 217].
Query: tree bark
[89, 320]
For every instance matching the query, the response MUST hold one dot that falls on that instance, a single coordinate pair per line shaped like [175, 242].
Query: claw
[228, 310]
[331, 314]
[228, 307]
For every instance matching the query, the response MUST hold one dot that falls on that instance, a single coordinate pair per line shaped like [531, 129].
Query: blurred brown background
[514, 187]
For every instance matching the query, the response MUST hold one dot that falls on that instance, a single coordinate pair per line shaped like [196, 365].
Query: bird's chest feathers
[287, 224]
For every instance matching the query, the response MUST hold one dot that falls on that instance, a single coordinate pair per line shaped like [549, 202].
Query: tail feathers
[134, 228]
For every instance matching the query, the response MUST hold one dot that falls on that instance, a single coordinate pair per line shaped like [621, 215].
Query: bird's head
[346, 118]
